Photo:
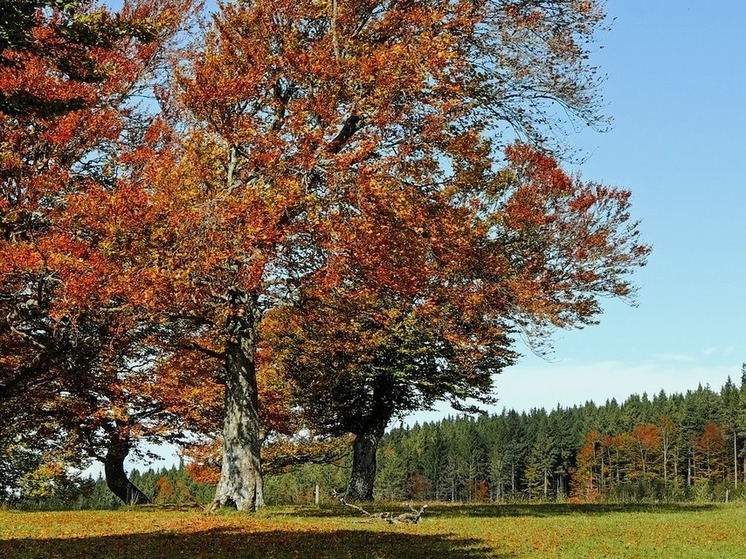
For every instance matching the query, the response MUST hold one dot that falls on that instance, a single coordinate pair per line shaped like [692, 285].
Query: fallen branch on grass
[407, 517]
[413, 517]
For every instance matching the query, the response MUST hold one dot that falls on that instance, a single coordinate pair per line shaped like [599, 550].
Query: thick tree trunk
[240, 484]
[363, 474]
[367, 436]
[116, 477]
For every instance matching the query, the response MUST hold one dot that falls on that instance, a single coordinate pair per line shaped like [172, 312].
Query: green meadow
[453, 532]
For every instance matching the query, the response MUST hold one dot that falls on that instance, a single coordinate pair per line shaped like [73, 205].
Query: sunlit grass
[461, 532]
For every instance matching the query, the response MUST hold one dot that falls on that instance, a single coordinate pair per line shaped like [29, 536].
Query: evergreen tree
[730, 402]
[542, 459]
[435, 461]
[741, 421]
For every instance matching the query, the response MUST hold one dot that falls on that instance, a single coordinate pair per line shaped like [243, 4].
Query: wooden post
[317, 494]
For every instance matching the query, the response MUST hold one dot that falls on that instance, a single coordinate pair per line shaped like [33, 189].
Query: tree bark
[240, 484]
[368, 434]
[116, 477]
[363, 474]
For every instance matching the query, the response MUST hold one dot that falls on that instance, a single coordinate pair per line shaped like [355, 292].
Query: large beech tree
[535, 251]
[69, 76]
[354, 146]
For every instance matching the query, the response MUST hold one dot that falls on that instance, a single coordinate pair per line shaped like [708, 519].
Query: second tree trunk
[363, 474]
[116, 477]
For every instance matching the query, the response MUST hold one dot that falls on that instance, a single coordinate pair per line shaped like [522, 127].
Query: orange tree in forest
[586, 477]
[648, 442]
[712, 454]
[69, 72]
[353, 149]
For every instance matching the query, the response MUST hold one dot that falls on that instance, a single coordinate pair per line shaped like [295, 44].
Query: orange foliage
[585, 478]
[711, 453]
[67, 346]
[648, 441]
[165, 491]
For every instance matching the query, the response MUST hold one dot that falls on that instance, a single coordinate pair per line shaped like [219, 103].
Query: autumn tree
[354, 149]
[648, 442]
[357, 362]
[393, 353]
[711, 453]
[586, 476]
[57, 107]
[69, 75]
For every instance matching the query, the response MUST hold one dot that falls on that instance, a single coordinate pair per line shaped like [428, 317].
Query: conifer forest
[664, 448]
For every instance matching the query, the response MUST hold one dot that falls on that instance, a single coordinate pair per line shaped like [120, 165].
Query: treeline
[666, 448]
[177, 486]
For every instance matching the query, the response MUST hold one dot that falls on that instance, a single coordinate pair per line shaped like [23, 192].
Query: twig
[357, 508]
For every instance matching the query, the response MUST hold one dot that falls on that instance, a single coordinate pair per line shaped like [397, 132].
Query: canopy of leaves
[68, 75]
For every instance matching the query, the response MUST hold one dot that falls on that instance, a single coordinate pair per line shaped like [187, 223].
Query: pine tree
[730, 402]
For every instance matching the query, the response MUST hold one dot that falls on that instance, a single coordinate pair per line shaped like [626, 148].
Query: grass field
[446, 532]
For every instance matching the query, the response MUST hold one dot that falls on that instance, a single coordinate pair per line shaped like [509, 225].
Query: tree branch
[216, 354]
[407, 517]
[353, 123]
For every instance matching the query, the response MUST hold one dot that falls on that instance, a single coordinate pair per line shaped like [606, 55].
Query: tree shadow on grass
[224, 543]
[548, 510]
[447, 510]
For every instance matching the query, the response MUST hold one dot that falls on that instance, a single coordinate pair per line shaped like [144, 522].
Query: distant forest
[664, 448]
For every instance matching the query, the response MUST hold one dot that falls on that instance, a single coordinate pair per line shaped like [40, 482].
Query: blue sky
[676, 86]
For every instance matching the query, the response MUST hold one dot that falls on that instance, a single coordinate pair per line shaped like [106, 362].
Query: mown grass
[452, 532]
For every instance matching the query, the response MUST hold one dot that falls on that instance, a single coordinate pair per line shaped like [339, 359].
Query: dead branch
[407, 517]
[413, 517]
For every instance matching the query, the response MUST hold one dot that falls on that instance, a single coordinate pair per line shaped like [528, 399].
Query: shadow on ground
[444, 510]
[548, 510]
[223, 543]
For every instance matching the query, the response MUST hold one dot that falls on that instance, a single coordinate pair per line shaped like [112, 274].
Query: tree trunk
[240, 484]
[735, 459]
[363, 474]
[512, 479]
[116, 477]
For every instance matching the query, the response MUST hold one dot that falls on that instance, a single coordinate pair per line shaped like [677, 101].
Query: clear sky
[676, 89]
